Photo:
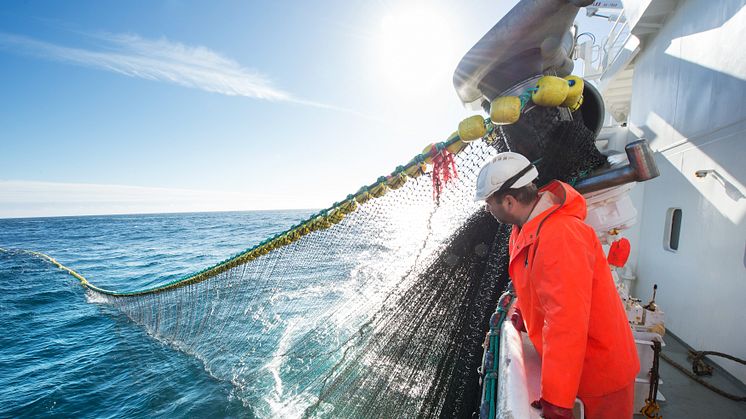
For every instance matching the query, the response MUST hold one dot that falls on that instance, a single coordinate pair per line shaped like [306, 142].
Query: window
[672, 232]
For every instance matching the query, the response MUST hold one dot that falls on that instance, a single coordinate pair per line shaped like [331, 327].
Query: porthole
[672, 234]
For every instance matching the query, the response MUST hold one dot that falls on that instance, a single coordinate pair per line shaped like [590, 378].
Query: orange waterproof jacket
[571, 309]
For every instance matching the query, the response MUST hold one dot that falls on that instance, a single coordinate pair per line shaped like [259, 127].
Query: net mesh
[381, 314]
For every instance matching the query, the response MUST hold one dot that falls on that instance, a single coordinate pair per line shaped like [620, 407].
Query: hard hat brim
[522, 181]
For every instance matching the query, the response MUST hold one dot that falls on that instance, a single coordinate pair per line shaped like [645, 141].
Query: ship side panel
[689, 100]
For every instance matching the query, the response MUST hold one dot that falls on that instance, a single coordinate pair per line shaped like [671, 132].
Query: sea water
[63, 355]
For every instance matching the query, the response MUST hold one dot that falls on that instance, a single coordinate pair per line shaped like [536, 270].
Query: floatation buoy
[505, 110]
[303, 230]
[319, 223]
[550, 91]
[362, 196]
[415, 169]
[472, 128]
[396, 180]
[427, 152]
[348, 205]
[379, 189]
[456, 146]
[575, 93]
[297, 233]
[335, 216]
[283, 240]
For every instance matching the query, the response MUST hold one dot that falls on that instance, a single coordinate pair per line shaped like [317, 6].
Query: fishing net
[375, 307]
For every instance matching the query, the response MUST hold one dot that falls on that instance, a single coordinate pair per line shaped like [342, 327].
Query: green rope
[525, 97]
[581, 175]
[235, 260]
[490, 362]
[228, 263]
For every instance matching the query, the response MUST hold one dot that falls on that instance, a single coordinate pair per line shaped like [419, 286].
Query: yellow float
[429, 153]
[550, 91]
[456, 146]
[378, 190]
[415, 169]
[575, 93]
[505, 110]
[472, 128]
[335, 216]
[362, 197]
[396, 181]
[348, 206]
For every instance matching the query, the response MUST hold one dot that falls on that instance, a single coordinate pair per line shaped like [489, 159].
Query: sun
[416, 47]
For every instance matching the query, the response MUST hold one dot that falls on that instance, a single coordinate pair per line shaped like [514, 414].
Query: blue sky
[144, 106]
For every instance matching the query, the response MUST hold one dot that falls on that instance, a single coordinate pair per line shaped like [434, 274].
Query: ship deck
[686, 398]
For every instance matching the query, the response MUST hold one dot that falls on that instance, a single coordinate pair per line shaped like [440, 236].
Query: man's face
[499, 210]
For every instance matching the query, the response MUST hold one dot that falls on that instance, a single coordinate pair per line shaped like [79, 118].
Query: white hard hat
[505, 171]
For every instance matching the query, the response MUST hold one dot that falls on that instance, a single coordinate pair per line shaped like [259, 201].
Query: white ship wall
[689, 100]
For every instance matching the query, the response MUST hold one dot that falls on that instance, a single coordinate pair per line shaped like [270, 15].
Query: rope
[443, 171]
[281, 239]
[701, 368]
[489, 369]
[54, 262]
[698, 356]
[525, 97]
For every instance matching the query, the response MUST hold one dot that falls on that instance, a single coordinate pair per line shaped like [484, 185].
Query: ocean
[62, 355]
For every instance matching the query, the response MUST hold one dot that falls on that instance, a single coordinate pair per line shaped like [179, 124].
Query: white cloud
[20, 198]
[160, 60]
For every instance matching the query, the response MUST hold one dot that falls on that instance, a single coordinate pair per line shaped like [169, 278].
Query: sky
[110, 107]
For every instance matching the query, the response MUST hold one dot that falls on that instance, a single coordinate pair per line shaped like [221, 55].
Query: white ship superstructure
[673, 73]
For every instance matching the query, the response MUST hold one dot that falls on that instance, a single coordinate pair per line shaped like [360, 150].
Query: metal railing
[618, 37]
[598, 58]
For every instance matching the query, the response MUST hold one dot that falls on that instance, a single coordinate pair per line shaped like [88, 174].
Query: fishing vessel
[668, 75]
[377, 306]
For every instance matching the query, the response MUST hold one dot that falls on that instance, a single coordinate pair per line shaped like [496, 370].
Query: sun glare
[416, 48]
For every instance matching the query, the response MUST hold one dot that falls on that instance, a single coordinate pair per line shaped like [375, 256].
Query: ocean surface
[62, 355]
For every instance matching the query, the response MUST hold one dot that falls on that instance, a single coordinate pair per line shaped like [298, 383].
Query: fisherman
[567, 301]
